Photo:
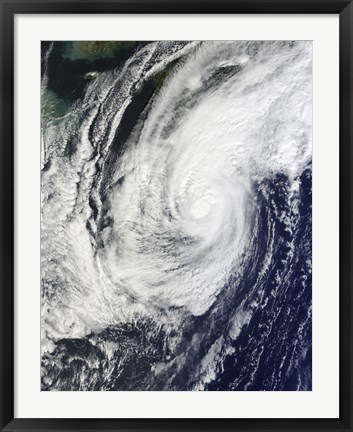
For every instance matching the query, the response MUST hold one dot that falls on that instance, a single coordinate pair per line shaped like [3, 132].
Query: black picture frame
[8, 10]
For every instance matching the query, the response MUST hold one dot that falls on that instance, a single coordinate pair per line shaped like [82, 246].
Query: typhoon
[176, 215]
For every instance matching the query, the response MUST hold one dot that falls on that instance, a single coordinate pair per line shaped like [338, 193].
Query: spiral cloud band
[176, 216]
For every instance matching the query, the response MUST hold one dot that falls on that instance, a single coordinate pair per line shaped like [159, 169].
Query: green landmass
[52, 105]
[159, 78]
[92, 50]
[225, 72]
[70, 148]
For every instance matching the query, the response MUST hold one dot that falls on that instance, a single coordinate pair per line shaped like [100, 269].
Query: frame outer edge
[346, 206]
[6, 218]
[7, 421]
[177, 6]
